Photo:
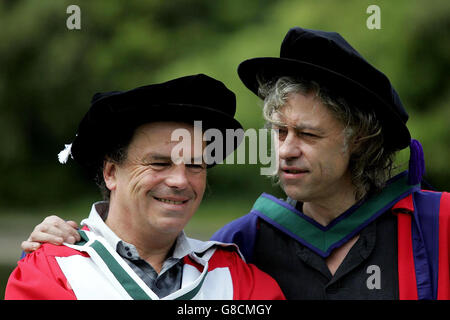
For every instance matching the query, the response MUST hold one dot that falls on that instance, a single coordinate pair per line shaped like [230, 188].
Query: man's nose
[177, 177]
[290, 148]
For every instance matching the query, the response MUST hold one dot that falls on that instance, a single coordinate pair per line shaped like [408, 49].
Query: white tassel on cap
[63, 156]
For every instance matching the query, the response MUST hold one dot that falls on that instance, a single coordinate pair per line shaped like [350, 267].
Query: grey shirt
[164, 283]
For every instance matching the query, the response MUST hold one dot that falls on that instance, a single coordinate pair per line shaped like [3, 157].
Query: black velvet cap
[328, 59]
[114, 116]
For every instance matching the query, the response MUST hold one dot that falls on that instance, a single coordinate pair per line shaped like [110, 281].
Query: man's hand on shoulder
[52, 230]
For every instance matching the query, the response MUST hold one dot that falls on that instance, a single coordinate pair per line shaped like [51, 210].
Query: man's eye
[200, 166]
[308, 134]
[196, 166]
[159, 164]
[282, 134]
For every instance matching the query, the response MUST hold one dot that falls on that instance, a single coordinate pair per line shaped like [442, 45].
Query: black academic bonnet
[325, 57]
[113, 116]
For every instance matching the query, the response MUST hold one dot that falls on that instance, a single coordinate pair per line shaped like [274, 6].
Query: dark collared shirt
[369, 271]
[164, 283]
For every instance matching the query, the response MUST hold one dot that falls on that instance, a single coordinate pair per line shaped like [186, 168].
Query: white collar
[95, 223]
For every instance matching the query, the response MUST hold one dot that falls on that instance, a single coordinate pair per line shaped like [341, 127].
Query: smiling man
[132, 246]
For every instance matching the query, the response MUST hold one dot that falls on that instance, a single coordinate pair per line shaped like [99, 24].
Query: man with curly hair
[349, 228]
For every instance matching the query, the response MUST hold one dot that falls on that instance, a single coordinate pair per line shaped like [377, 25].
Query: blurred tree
[48, 73]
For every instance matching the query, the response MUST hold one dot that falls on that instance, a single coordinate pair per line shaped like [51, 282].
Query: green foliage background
[48, 75]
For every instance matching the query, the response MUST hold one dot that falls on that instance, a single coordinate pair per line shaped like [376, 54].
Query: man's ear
[355, 144]
[109, 174]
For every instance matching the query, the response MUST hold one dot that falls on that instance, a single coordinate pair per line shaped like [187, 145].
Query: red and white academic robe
[94, 270]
